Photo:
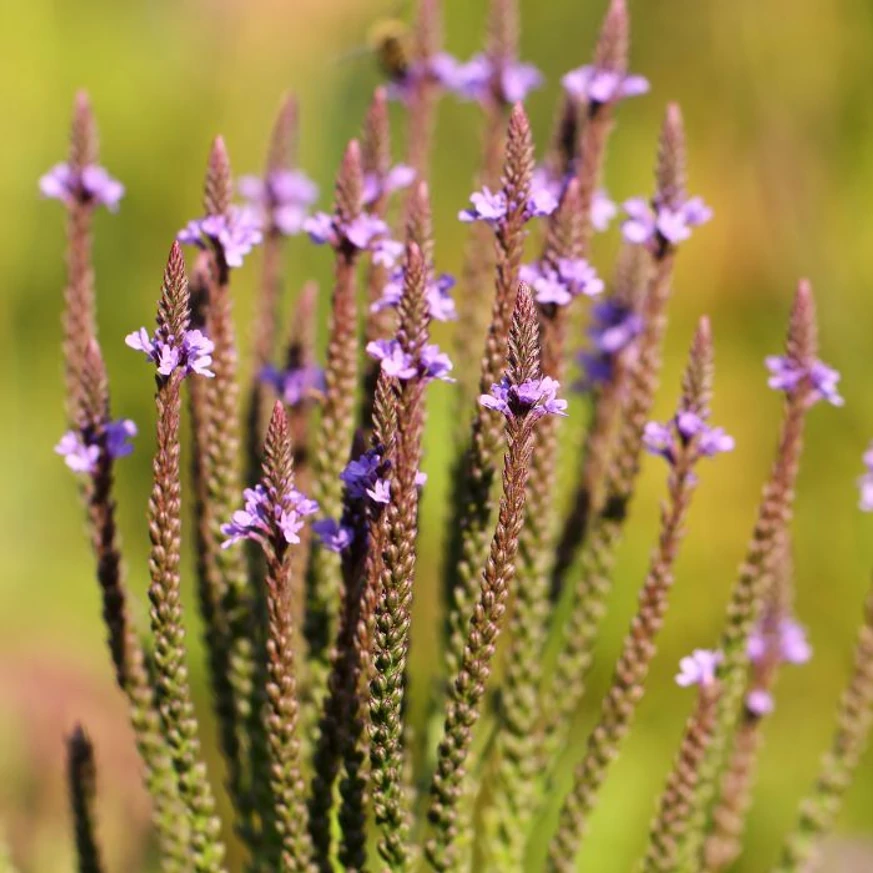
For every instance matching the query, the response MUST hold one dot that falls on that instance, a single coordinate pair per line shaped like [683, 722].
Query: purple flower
[647, 226]
[236, 233]
[193, 354]
[281, 200]
[335, 537]
[786, 374]
[865, 483]
[401, 176]
[594, 85]
[665, 439]
[81, 453]
[441, 68]
[759, 702]
[787, 643]
[380, 492]
[476, 80]
[362, 476]
[603, 209]
[490, 207]
[253, 521]
[537, 397]
[91, 185]
[698, 668]
[615, 327]
[295, 384]
[366, 232]
[440, 303]
[434, 364]
[559, 285]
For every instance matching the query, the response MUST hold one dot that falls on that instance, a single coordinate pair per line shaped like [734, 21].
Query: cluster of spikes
[306, 504]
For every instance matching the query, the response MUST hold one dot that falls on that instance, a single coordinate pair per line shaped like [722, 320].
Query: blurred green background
[778, 99]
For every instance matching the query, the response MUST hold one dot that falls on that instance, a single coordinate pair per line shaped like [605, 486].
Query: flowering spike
[81, 778]
[283, 140]
[502, 31]
[376, 137]
[670, 171]
[611, 52]
[84, 143]
[348, 191]
[173, 305]
[419, 222]
[697, 382]
[802, 343]
[218, 185]
[428, 29]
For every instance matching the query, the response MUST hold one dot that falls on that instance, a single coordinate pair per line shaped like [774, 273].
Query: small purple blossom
[597, 86]
[295, 385]
[361, 473]
[81, 453]
[787, 643]
[441, 306]
[253, 521]
[399, 176]
[91, 185]
[281, 200]
[603, 209]
[442, 69]
[615, 326]
[786, 374]
[491, 207]
[537, 397]
[193, 354]
[236, 233]
[558, 285]
[698, 668]
[434, 364]
[380, 492]
[333, 535]
[865, 482]
[477, 78]
[665, 439]
[646, 225]
[759, 702]
[366, 232]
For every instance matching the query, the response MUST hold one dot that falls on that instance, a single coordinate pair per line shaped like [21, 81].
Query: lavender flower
[433, 363]
[361, 473]
[364, 233]
[865, 483]
[375, 187]
[559, 285]
[253, 522]
[760, 702]
[192, 355]
[477, 79]
[281, 200]
[665, 439]
[81, 452]
[597, 86]
[647, 225]
[491, 207]
[786, 374]
[90, 185]
[441, 69]
[788, 644]
[603, 209]
[380, 492]
[333, 535]
[536, 397]
[295, 385]
[615, 326]
[441, 306]
[698, 668]
[235, 234]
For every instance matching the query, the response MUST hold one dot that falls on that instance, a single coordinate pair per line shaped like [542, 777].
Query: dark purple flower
[193, 354]
[81, 453]
[537, 397]
[92, 185]
[665, 439]
[615, 326]
[335, 537]
[559, 285]
[236, 233]
[593, 85]
[253, 521]
[476, 80]
[360, 474]
[788, 644]
[865, 483]
[400, 176]
[786, 374]
[698, 668]
[646, 225]
[281, 200]
[295, 384]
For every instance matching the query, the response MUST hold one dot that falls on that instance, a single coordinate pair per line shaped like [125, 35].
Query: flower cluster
[786, 374]
[442, 69]
[491, 206]
[81, 451]
[376, 186]
[482, 79]
[333, 535]
[614, 327]
[559, 284]
[433, 364]
[294, 384]
[191, 354]
[440, 304]
[786, 643]
[536, 398]
[254, 521]
[235, 234]
[363, 478]
[91, 184]
[699, 668]
[364, 233]
[865, 483]
[598, 86]
[603, 209]
[649, 225]
[281, 200]
[666, 439]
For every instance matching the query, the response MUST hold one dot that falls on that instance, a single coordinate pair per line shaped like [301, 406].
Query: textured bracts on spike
[81, 778]
[670, 171]
[854, 721]
[477, 471]
[469, 683]
[337, 426]
[218, 188]
[427, 41]
[628, 683]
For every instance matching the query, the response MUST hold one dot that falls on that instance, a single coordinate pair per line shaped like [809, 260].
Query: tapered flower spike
[337, 426]
[502, 30]
[477, 470]
[84, 141]
[283, 140]
[82, 778]
[218, 187]
[819, 810]
[611, 52]
[628, 683]
[171, 675]
[427, 42]
[524, 399]
[671, 169]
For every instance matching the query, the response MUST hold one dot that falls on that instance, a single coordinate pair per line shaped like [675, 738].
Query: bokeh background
[778, 98]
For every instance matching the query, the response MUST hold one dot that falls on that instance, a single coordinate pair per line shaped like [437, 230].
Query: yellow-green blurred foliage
[778, 98]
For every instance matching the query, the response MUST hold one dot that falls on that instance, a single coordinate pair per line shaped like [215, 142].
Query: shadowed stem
[81, 779]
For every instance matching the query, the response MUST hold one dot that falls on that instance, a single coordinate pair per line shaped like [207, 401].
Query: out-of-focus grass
[779, 106]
